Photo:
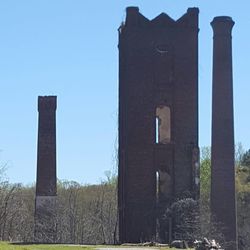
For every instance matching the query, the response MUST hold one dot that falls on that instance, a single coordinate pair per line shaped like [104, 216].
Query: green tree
[205, 176]
[245, 161]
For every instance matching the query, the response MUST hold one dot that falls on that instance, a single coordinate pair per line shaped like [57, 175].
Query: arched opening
[163, 125]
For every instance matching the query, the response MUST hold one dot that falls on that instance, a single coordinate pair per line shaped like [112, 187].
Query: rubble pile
[206, 244]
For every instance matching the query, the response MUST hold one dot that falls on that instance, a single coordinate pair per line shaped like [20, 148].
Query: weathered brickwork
[46, 151]
[46, 171]
[223, 172]
[158, 119]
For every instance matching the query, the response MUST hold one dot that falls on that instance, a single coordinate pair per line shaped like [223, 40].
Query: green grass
[8, 246]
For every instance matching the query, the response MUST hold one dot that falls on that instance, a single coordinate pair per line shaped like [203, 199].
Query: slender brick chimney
[223, 205]
[46, 170]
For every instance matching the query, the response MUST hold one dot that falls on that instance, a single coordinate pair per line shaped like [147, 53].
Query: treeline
[84, 214]
[242, 161]
[88, 213]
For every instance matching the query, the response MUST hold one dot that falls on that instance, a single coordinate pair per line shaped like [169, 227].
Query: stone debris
[180, 244]
[146, 244]
[206, 244]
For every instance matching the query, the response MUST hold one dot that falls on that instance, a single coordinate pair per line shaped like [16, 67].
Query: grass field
[8, 246]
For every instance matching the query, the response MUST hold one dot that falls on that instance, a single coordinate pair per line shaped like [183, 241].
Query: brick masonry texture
[223, 205]
[158, 66]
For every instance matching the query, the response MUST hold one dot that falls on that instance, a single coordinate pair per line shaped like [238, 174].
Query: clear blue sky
[69, 49]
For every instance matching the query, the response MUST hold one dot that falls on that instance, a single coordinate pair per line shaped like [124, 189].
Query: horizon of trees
[88, 213]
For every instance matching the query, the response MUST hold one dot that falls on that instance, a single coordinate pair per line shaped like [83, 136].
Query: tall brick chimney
[46, 170]
[223, 205]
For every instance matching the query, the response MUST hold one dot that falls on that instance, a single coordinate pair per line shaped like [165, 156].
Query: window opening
[157, 129]
[163, 125]
[157, 187]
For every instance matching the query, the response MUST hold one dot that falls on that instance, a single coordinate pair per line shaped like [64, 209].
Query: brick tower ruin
[223, 171]
[46, 170]
[158, 120]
